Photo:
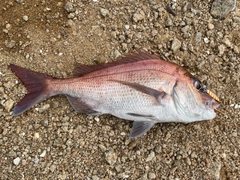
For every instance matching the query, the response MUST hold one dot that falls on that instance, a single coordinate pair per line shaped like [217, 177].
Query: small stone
[236, 49]
[52, 168]
[104, 12]
[10, 44]
[95, 178]
[154, 32]
[36, 136]
[117, 54]
[227, 42]
[221, 8]
[169, 22]
[221, 49]
[198, 37]
[16, 161]
[36, 160]
[43, 153]
[9, 105]
[69, 7]
[138, 15]
[150, 157]
[206, 40]
[44, 123]
[43, 108]
[25, 18]
[210, 26]
[127, 27]
[111, 157]
[176, 44]
[19, 1]
[152, 176]
[124, 46]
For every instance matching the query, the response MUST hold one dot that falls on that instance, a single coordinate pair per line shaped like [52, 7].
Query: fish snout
[214, 104]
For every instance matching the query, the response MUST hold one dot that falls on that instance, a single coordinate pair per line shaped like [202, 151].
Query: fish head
[193, 101]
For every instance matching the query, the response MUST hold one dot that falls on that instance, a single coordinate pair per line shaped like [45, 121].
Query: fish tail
[35, 83]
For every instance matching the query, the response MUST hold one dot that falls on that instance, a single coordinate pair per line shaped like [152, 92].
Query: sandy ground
[51, 141]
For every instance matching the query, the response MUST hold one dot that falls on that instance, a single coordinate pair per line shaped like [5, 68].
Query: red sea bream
[139, 87]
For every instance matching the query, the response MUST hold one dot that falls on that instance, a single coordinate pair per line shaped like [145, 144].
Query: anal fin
[80, 106]
[140, 127]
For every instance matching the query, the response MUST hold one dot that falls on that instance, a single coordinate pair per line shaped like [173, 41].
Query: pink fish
[139, 87]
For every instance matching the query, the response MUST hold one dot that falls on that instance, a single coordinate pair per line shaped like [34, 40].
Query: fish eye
[197, 84]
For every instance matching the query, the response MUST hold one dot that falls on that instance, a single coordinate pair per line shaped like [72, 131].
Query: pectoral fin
[140, 127]
[144, 89]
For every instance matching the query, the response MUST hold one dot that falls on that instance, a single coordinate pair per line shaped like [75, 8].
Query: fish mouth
[213, 104]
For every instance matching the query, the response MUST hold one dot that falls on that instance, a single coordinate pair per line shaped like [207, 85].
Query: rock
[25, 18]
[19, 1]
[69, 7]
[43, 153]
[150, 157]
[95, 178]
[9, 105]
[43, 108]
[16, 161]
[104, 12]
[52, 168]
[10, 44]
[210, 26]
[176, 44]
[221, 8]
[221, 49]
[169, 22]
[111, 157]
[138, 15]
[152, 176]
[227, 42]
[198, 37]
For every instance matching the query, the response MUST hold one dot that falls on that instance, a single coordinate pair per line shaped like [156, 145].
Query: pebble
[210, 26]
[43, 153]
[10, 44]
[152, 176]
[221, 8]
[36, 160]
[169, 22]
[206, 40]
[25, 18]
[16, 161]
[176, 44]
[138, 15]
[52, 168]
[198, 37]
[104, 12]
[19, 1]
[69, 7]
[111, 157]
[9, 105]
[117, 54]
[43, 108]
[221, 49]
[150, 157]
[227, 42]
[95, 178]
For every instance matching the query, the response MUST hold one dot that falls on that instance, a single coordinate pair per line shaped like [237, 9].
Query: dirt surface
[51, 141]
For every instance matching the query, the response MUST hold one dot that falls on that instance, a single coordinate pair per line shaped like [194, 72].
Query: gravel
[52, 141]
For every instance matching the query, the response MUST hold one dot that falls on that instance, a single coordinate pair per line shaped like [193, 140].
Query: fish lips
[210, 102]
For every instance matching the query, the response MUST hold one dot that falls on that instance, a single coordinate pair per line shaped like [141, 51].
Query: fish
[140, 87]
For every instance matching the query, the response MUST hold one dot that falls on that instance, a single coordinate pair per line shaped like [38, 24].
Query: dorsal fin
[140, 55]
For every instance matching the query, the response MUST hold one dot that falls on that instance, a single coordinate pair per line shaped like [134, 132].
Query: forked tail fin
[36, 86]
